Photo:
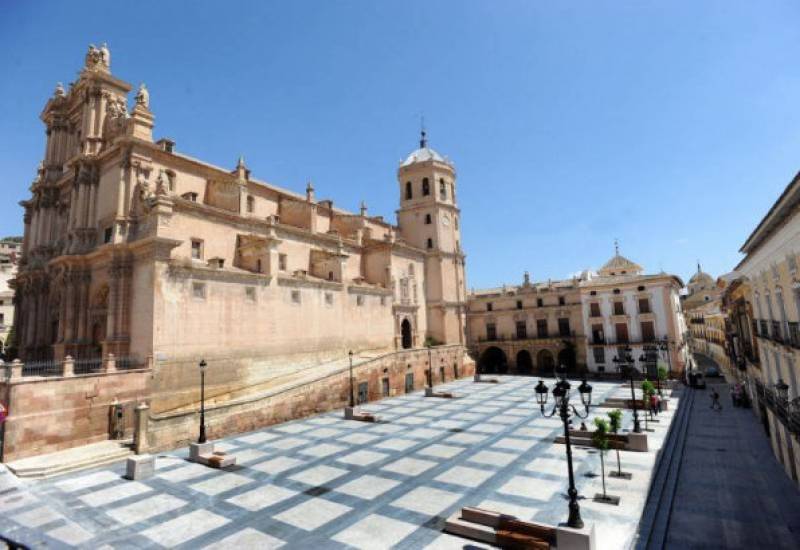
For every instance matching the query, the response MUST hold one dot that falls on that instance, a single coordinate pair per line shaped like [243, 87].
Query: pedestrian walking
[715, 404]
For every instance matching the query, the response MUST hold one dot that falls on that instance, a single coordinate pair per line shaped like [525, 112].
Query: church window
[619, 308]
[296, 296]
[330, 275]
[258, 265]
[251, 204]
[329, 298]
[616, 291]
[410, 270]
[359, 300]
[427, 219]
[250, 293]
[519, 304]
[197, 249]
[491, 331]
[561, 301]
[455, 222]
[539, 302]
[426, 187]
[190, 196]
[107, 235]
[430, 243]
[282, 262]
[442, 190]
[489, 306]
[409, 192]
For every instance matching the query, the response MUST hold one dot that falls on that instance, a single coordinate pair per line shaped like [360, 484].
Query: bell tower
[429, 219]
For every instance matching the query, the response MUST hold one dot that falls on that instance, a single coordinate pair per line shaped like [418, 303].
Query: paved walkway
[324, 482]
[731, 492]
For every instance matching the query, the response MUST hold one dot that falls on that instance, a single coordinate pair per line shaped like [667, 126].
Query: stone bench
[203, 453]
[351, 413]
[442, 394]
[508, 531]
[140, 467]
[623, 442]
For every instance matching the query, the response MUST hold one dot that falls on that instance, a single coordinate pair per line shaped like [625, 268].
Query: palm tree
[600, 441]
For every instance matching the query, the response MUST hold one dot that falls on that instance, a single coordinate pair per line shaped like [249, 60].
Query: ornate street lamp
[352, 395]
[627, 360]
[565, 411]
[202, 438]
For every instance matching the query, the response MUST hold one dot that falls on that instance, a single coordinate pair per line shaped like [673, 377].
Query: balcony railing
[787, 411]
[763, 331]
[794, 335]
[776, 332]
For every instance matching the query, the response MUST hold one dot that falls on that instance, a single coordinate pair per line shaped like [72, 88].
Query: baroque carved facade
[134, 249]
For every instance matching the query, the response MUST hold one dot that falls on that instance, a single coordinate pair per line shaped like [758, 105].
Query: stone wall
[170, 430]
[48, 414]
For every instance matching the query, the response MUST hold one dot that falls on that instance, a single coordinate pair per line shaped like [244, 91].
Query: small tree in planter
[601, 443]
[615, 423]
[662, 376]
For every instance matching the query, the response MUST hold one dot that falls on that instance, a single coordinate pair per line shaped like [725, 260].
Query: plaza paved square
[326, 482]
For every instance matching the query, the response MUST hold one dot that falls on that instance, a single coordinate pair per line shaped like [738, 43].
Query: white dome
[423, 154]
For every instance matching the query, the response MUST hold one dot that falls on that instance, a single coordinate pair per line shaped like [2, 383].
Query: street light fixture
[202, 438]
[352, 395]
[627, 361]
[565, 410]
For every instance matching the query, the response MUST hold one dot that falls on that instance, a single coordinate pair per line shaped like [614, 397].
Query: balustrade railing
[69, 367]
[787, 411]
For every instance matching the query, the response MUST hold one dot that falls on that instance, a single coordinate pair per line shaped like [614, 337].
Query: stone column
[141, 424]
[83, 305]
[69, 300]
[69, 366]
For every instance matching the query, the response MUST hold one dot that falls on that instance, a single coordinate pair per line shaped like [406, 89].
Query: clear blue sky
[670, 125]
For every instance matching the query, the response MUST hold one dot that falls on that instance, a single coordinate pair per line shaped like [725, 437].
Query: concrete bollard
[16, 369]
[69, 366]
[110, 363]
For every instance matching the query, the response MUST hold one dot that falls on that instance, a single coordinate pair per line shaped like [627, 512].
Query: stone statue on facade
[59, 91]
[143, 96]
[97, 59]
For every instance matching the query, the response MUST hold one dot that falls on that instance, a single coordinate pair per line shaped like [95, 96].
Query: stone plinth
[140, 467]
[568, 538]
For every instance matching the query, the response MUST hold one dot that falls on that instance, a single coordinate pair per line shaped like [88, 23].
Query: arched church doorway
[566, 358]
[405, 333]
[493, 360]
[545, 362]
[524, 362]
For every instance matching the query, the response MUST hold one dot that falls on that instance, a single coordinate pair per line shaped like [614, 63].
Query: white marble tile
[145, 509]
[547, 465]
[362, 458]
[427, 500]
[492, 458]
[513, 444]
[318, 475]
[15, 500]
[323, 433]
[486, 428]
[532, 487]
[292, 428]
[396, 444]
[322, 450]
[357, 438]
[220, 483]
[261, 497]
[312, 514]
[91, 480]
[465, 438]
[423, 433]
[447, 425]
[183, 528]
[71, 533]
[277, 465]
[184, 473]
[323, 420]
[375, 531]
[37, 517]
[257, 437]
[413, 420]
[287, 443]
[538, 433]
[465, 476]
[409, 466]
[367, 487]
[248, 455]
[113, 494]
[450, 542]
[247, 539]
[387, 429]
[440, 451]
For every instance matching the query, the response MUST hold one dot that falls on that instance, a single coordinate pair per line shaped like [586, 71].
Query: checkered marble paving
[326, 482]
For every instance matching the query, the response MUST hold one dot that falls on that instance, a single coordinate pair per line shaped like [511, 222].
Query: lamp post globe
[202, 437]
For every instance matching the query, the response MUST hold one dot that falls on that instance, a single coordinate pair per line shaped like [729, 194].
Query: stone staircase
[71, 460]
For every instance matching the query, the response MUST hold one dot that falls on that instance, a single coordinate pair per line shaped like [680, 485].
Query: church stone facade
[134, 249]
